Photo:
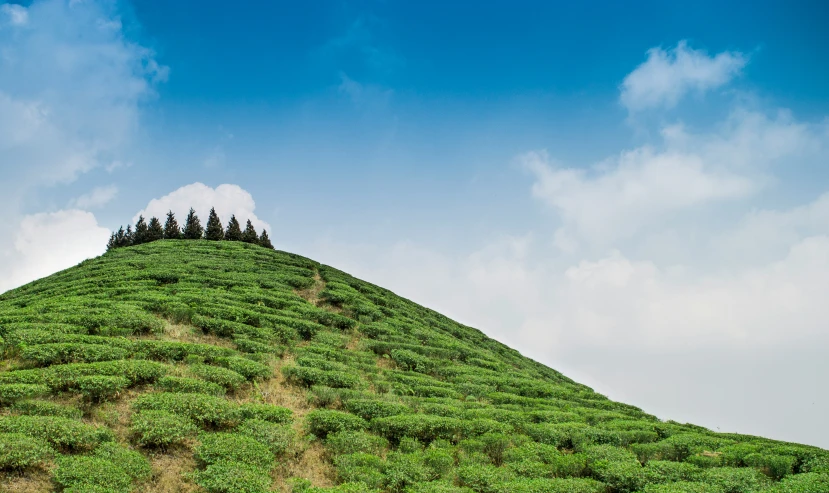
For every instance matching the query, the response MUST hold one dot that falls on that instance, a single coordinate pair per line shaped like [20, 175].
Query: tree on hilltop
[234, 231]
[192, 226]
[249, 235]
[141, 229]
[265, 241]
[113, 242]
[154, 230]
[214, 230]
[171, 229]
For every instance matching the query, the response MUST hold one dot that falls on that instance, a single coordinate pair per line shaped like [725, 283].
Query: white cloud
[668, 75]
[98, 197]
[16, 14]
[637, 191]
[70, 90]
[227, 199]
[45, 243]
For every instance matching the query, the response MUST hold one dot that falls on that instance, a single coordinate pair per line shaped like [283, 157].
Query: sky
[635, 194]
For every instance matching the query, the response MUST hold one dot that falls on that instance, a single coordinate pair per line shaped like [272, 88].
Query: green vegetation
[253, 370]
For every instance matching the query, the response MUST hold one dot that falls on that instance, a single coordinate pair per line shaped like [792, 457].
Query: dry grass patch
[170, 472]
[33, 482]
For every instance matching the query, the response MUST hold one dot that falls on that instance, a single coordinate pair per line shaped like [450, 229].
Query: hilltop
[185, 366]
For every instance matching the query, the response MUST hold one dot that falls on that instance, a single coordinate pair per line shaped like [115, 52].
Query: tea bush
[63, 433]
[321, 422]
[189, 385]
[19, 451]
[277, 437]
[80, 472]
[133, 463]
[228, 379]
[251, 370]
[46, 408]
[233, 447]
[97, 388]
[233, 477]
[153, 428]
[350, 442]
[203, 410]
[265, 412]
[12, 392]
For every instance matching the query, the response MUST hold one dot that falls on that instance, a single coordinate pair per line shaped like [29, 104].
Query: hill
[183, 366]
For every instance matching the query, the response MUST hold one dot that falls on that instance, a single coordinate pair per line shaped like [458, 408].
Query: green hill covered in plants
[185, 366]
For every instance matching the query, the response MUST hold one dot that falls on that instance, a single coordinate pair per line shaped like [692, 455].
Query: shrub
[306, 377]
[657, 471]
[409, 360]
[153, 428]
[436, 487]
[63, 433]
[189, 385]
[97, 388]
[222, 376]
[245, 367]
[774, 466]
[19, 451]
[369, 409]
[682, 487]
[65, 352]
[133, 463]
[11, 392]
[802, 483]
[233, 447]
[402, 470]
[203, 410]
[360, 468]
[277, 437]
[265, 412]
[82, 471]
[483, 478]
[736, 479]
[321, 422]
[46, 408]
[556, 485]
[233, 477]
[349, 442]
[423, 427]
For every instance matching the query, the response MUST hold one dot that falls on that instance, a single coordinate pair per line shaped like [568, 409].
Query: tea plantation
[187, 366]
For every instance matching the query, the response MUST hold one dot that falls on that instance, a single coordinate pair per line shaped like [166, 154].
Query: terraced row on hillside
[228, 367]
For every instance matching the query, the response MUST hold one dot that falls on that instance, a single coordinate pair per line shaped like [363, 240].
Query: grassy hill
[184, 366]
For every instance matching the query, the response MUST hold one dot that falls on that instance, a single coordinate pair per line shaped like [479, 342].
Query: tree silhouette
[234, 231]
[214, 227]
[154, 230]
[264, 240]
[140, 235]
[112, 243]
[171, 228]
[249, 235]
[192, 226]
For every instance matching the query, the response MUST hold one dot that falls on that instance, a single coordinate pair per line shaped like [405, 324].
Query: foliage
[82, 471]
[19, 451]
[63, 433]
[277, 437]
[203, 410]
[153, 428]
[321, 422]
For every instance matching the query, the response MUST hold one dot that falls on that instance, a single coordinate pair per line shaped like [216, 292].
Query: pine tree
[214, 227]
[234, 231]
[171, 229]
[140, 235]
[120, 238]
[265, 241]
[129, 236]
[154, 231]
[112, 243]
[249, 235]
[192, 226]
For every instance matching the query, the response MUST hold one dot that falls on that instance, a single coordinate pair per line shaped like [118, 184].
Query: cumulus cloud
[668, 75]
[45, 243]
[98, 197]
[227, 199]
[621, 197]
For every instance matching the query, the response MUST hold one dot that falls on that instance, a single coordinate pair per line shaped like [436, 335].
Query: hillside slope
[181, 366]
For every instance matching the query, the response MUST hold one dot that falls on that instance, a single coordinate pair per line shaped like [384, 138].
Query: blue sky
[610, 188]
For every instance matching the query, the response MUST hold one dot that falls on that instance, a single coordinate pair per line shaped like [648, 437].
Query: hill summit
[227, 367]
